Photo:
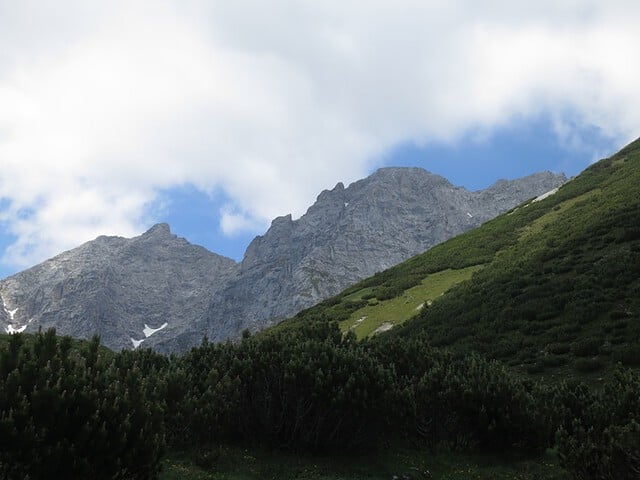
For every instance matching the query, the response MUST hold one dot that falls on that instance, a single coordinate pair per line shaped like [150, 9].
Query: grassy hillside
[377, 315]
[553, 286]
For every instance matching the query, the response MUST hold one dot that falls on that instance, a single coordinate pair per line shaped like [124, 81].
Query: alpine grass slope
[552, 286]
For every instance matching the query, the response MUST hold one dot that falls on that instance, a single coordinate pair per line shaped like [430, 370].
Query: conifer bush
[600, 437]
[70, 413]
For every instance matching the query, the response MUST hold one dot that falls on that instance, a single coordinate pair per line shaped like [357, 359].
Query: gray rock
[114, 286]
[118, 287]
[350, 234]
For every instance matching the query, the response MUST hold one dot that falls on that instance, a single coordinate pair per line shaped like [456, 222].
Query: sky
[218, 116]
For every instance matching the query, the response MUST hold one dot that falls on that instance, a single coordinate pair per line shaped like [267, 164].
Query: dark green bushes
[306, 389]
[600, 435]
[473, 403]
[464, 402]
[311, 388]
[69, 410]
[586, 347]
[629, 355]
[71, 413]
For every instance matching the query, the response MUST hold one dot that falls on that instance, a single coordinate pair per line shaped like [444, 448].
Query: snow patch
[11, 330]
[346, 204]
[545, 195]
[383, 328]
[148, 331]
[419, 307]
[358, 322]
[469, 215]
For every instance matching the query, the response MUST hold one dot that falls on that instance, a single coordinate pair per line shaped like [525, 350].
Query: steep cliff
[351, 233]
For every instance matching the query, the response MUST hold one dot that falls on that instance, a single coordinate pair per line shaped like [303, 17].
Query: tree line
[77, 410]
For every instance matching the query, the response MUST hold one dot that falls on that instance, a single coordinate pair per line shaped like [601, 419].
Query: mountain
[350, 234]
[551, 287]
[162, 290]
[121, 289]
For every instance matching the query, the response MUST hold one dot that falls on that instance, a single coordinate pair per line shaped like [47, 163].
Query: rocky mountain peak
[351, 233]
[121, 289]
[159, 290]
[158, 230]
[282, 223]
[399, 177]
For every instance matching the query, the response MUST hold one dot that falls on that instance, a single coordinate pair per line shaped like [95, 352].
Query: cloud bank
[105, 104]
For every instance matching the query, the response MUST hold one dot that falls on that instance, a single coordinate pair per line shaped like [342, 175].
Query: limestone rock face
[114, 287]
[160, 291]
[350, 234]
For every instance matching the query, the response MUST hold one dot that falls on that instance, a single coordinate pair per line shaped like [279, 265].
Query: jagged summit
[351, 233]
[391, 172]
[159, 229]
[388, 177]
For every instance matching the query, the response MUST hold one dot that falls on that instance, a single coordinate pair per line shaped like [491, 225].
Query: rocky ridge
[350, 234]
[126, 290]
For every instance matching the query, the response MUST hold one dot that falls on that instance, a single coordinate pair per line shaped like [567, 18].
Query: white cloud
[104, 104]
[233, 222]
